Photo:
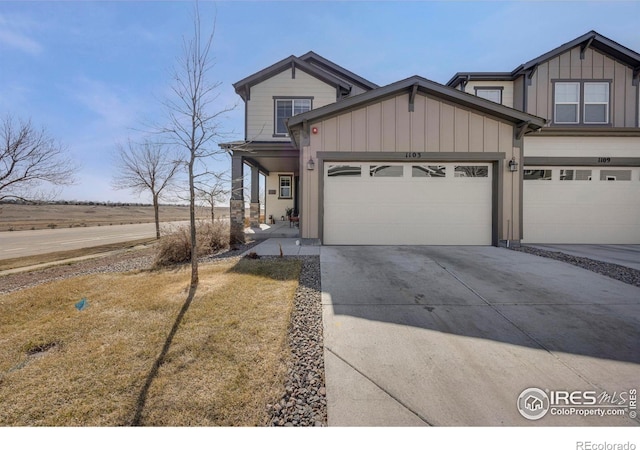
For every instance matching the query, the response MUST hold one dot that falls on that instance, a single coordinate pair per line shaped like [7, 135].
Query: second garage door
[582, 205]
[407, 203]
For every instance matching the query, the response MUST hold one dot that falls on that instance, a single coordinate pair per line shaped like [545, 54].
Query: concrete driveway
[453, 336]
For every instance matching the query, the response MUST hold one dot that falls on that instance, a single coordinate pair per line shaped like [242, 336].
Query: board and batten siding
[260, 107]
[595, 66]
[388, 126]
[434, 126]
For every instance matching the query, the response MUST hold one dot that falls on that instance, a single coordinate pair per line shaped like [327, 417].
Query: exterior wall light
[311, 164]
[513, 165]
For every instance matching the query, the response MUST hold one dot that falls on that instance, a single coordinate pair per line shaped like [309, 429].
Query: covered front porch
[279, 163]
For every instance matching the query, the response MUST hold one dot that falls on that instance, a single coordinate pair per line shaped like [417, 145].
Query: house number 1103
[412, 155]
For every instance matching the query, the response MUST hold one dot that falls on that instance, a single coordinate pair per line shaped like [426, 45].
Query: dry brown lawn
[60, 366]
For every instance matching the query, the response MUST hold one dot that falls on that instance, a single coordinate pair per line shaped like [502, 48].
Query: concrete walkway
[623, 255]
[280, 229]
[289, 246]
[281, 235]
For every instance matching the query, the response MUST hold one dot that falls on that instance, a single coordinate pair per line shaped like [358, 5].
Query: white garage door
[582, 205]
[407, 203]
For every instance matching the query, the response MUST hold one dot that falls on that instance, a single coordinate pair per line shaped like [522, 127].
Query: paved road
[452, 336]
[15, 244]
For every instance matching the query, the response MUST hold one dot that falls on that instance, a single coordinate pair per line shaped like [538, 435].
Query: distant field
[36, 217]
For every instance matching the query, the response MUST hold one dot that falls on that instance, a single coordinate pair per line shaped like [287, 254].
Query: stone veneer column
[254, 215]
[236, 217]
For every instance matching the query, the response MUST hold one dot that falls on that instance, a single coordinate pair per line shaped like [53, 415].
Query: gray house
[547, 153]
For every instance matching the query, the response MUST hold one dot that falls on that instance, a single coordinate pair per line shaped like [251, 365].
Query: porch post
[254, 211]
[236, 204]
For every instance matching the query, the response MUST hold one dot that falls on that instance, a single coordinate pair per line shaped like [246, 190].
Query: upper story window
[288, 107]
[490, 93]
[567, 103]
[581, 102]
[596, 102]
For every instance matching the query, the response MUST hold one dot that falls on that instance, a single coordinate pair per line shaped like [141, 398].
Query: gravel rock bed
[615, 271]
[304, 402]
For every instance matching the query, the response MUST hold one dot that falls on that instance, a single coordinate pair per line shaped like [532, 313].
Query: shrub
[175, 248]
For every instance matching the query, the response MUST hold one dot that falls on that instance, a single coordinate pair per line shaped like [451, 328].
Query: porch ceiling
[274, 163]
[269, 156]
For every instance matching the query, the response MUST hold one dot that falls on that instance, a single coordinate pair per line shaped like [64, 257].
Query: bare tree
[146, 167]
[194, 115]
[29, 157]
[212, 192]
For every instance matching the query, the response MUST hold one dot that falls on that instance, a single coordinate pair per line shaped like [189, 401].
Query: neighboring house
[581, 179]
[549, 152]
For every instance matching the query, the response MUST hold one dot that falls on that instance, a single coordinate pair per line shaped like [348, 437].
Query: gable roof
[592, 39]
[414, 85]
[317, 60]
[311, 63]
[461, 77]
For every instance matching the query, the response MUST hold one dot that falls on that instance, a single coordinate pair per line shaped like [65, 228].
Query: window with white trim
[493, 94]
[596, 103]
[344, 170]
[391, 171]
[581, 102]
[615, 175]
[288, 107]
[285, 186]
[427, 171]
[567, 103]
[537, 174]
[471, 171]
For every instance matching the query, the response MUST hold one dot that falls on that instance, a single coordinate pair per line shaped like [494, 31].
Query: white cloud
[115, 109]
[14, 34]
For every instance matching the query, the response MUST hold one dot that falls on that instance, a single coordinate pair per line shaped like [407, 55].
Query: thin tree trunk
[192, 218]
[156, 208]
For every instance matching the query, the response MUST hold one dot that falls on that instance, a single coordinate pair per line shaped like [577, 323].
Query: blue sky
[95, 73]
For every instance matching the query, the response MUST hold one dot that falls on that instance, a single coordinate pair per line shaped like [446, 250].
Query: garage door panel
[408, 210]
[385, 234]
[593, 211]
